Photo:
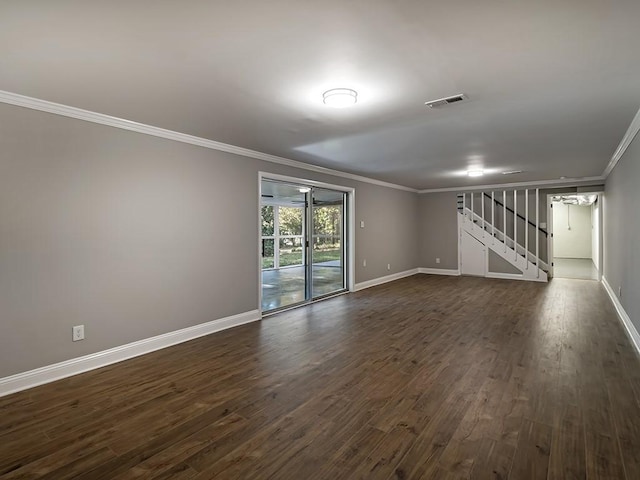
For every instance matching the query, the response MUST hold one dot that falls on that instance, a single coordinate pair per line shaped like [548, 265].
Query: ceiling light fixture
[304, 189]
[340, 97]
[475, 173]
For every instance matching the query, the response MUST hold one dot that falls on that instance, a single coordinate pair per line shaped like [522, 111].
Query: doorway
[575, 239]
[303, 243]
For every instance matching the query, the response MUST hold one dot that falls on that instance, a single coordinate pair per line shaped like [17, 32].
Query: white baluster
[504, 219]
[515, 224]
[482, 200]
[493, 219]
[473, 212]
[464, 207]
[526, 226]
[538, 232]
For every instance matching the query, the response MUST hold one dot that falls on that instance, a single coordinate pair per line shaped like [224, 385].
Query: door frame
[349, 235]
[550, 234]
[600, 233]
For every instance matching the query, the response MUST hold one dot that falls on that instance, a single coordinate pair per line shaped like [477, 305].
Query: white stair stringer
[493, 240]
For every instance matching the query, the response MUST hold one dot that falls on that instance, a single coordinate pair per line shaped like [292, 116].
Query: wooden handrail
[544, 232]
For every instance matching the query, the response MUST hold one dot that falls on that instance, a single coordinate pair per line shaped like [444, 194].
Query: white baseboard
[57, 371]
[630, 328]
[516, 276]
[439, 271]
[385, 279]
[505, 276]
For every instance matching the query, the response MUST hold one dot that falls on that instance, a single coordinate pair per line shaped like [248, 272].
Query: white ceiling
[552, 85]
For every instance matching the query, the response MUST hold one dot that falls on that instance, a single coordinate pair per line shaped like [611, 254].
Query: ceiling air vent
[441, 102]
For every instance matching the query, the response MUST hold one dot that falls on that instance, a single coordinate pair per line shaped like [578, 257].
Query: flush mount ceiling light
[304, 189]
[340, 97]
[475, 173]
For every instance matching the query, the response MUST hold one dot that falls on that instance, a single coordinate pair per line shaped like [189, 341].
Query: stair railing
[469, 213]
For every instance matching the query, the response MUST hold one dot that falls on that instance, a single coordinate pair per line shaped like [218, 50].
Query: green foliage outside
[295, 258]
[327, 222]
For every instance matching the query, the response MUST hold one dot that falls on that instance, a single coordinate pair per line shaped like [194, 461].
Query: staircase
[506, 223]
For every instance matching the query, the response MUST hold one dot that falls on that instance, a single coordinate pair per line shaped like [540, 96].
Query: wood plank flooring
[427, 377]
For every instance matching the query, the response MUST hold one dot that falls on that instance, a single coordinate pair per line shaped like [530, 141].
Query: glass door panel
[283, 223]
[268, 239]
[327, 242]
[291, 251]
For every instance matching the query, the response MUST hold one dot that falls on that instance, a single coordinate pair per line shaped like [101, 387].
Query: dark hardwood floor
[427, 377]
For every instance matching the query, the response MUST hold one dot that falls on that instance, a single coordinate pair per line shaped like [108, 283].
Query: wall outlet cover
[78, 333]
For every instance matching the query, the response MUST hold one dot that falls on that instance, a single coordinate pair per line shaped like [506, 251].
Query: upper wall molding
[567, 182]
[94, 117]
[632, 131]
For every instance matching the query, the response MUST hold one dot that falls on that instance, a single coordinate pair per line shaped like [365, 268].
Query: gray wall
[572, 231]
[497, 264]
[438, 234]
[622, 230]
[135, 236]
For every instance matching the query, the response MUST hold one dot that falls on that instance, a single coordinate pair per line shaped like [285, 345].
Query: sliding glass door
[302, 243]
[327, 252]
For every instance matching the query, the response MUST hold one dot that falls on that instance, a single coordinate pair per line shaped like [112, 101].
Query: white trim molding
[629, 327]
[94, 117]
[507, 276]
[385, 279]
[350, 230]
[68, 368]
[565, 182]
[630, 134]
[440, 271]
[16, 99]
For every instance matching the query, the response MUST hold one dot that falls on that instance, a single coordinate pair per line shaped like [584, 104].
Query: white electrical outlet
[388, 266]
[619, 291]
[361, 223]
[78, 333]
[437, 259]
[364, 262]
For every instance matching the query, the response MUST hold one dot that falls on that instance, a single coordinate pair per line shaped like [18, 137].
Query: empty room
[319, 240]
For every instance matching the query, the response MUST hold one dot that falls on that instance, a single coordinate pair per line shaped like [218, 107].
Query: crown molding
[94, 117]
[102, 119]
[631, 133]
[567, 182]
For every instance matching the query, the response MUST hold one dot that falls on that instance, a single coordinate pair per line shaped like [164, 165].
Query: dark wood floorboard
[424, 378]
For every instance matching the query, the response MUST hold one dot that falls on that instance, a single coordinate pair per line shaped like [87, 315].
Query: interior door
[473, 256]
